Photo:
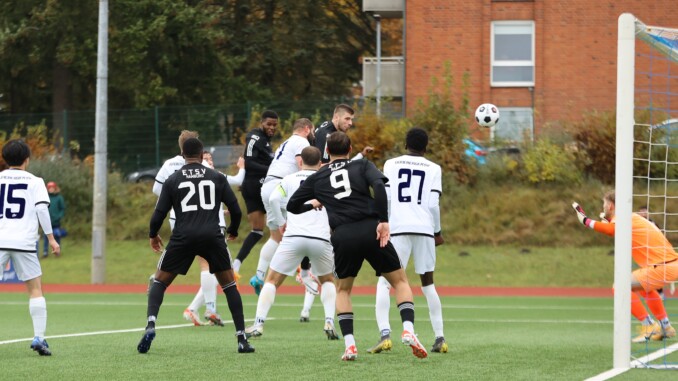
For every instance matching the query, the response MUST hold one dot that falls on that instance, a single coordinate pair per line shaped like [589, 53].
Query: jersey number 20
[205, 187]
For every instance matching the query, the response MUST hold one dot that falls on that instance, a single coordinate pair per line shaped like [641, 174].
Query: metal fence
[139, 139]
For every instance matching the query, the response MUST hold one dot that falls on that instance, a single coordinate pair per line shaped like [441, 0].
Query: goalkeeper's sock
[638, 309]
[654, 303]
[665, 322]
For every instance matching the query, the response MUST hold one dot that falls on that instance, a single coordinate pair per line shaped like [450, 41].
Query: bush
[447, 125]
[547, 162]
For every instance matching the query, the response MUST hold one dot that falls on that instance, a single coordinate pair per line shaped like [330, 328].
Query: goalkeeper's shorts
[654, 277]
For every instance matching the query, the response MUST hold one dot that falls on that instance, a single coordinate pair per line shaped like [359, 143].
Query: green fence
[139, 139]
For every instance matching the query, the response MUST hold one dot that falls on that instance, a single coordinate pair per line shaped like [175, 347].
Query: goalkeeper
[658, 263]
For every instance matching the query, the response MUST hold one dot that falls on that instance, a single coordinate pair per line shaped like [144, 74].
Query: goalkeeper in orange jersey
[658, 263]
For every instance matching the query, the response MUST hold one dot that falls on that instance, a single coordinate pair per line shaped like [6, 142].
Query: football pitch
[94, 336]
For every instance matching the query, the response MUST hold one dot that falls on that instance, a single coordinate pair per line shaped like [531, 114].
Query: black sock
[235, 306]
[406, 311]
[346, 323]
[248, 244]
[155, 296]
[305, 264]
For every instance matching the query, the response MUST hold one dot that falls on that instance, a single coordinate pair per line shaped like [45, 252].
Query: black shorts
[356, 242]
[251, 193]
[179, 255]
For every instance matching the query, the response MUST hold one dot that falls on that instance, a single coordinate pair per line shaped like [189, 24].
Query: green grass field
[94, 336]
[132, 261]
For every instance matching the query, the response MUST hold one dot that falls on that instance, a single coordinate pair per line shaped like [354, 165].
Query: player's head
[642, 211]
[338, 144]
[416, 140]
[52, 187]
[207, 157]
[303, 127]
[186, 134]
[608, 204]
[310, 156]
[192, 149]
[15, 152]
[269, 122]
[343, 117]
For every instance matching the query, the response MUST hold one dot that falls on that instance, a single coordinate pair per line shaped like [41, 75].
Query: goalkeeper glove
[602, 217]
[581, 215]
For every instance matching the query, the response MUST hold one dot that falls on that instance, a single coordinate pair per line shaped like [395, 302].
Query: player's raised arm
[599, 226]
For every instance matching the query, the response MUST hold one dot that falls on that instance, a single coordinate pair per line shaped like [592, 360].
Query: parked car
[143, 175]
[223, 156]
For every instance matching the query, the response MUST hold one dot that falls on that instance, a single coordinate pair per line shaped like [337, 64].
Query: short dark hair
[269, 114]
[416, 139]
[310, 155]
[15, 152]
[301, 123]
[192, 148]
[338, 143]
[345, 108]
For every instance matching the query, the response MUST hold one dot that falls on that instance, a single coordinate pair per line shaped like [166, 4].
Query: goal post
[646, 169]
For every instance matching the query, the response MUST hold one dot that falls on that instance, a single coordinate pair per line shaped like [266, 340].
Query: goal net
[646, 179]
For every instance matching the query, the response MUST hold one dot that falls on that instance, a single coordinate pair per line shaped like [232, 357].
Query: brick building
[540, 61]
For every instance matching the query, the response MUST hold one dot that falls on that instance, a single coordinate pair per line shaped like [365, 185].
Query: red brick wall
[575, 50]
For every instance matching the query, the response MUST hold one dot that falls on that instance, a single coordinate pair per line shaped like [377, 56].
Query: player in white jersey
[207, 293]
[305, 235]
[414, 188]
[286, 160]
[24, 205]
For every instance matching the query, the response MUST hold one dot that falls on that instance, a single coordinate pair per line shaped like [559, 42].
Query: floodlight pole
[100, 152]
[377, 18]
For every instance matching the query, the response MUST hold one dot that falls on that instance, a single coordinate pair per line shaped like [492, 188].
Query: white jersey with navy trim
[285, 157]
[20, 193]
[312, 224]
[412, 182]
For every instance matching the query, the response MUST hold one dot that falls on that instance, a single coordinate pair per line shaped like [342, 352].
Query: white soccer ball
[487, 115]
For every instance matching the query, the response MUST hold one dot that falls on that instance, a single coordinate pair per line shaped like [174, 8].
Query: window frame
[505, 63]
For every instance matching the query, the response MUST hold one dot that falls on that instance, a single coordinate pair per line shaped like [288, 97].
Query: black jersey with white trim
[343, 187]
[195, 192]
[321, 134]
[258, 154]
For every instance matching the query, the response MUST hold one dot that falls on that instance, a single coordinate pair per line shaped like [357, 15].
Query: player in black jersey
[195, 192]
[258, 157]
[342, 120]
[360, 232]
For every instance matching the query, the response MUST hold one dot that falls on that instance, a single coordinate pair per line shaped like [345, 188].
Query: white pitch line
[494, 321]
[637, 363]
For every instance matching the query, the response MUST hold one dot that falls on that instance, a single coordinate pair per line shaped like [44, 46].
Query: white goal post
[635, 101]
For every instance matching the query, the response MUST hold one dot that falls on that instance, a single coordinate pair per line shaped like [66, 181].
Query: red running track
[358, 290]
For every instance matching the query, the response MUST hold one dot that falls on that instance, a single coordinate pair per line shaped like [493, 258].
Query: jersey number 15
[8, 198]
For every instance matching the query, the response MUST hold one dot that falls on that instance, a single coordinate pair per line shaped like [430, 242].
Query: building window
[512, 53]
[515, 125]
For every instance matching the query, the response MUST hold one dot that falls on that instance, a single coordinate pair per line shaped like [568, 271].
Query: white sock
[435, 309]
[265, 256]
[236, 265]
[328, 296]
[647, 321]
[198, 300]
[383, 304]
[265, 302]
[38, 309]
[308, 303]
[349, 340]
[208, 285]
[408, 326]
[303, 273]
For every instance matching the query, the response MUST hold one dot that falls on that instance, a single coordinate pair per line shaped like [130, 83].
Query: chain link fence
[140, 139]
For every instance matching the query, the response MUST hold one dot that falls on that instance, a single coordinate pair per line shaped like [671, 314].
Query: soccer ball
[487, 115]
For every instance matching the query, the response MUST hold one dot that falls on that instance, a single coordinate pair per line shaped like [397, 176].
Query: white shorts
[266, 191]
[292, 250]
[26, 265]
[424, 250]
